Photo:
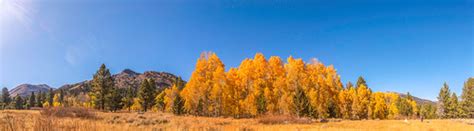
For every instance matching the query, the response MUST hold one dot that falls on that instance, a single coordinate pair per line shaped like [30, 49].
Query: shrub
[283, 119]
[73, 112]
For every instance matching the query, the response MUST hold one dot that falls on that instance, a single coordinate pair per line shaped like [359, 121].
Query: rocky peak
[129, 72]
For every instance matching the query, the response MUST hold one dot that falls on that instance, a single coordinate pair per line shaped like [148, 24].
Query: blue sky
[398, 46]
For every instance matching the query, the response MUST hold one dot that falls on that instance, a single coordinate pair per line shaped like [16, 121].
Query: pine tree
[178, 106]
[50, 97]
[102, 84]
[147, 94]
[32, 100]
[173, 100]
[115, 102]
[467, 97]
[5, 98]
[39, 99]
[443, 101]
[453, 106]
[160, 101]
[301, 102]
[428, 111]
[18, 104]
[404, 107]
[409, 97]
[128, 99]
[361, 81]
[61, 96]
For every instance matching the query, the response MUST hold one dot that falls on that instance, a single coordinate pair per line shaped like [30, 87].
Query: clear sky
[398, 46]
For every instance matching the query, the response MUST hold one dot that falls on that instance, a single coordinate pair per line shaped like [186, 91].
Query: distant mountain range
[418, 100]
[124, 79]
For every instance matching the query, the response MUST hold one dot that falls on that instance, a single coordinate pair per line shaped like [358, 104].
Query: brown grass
[283, 119]
[72, 112]
[13, 120]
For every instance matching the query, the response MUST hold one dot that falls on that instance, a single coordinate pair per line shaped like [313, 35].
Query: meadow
[86, 120]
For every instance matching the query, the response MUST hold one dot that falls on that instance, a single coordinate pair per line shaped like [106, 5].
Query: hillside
[26, 89]
[127, 78]
[418, 100]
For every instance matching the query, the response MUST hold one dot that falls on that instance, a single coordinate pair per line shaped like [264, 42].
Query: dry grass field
[19, 120]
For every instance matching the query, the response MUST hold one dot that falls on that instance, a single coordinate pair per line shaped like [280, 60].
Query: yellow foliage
[345, 102]
[393, 111]
[380, 106]
[259, 86]
[56, 101]
[136, 105]
[170, 96]
[360, 105]
[46, 104]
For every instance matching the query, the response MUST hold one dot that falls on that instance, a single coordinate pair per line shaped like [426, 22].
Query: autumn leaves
[260, 86]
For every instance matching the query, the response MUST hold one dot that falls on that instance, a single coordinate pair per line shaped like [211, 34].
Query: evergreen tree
[5, 98]
[428, 111]
[404, 107]
[302, 106]
[61, 96]
[467, 96]
[173, 101]
[178, 105]
[146, 94]
[453, 106]
[160, 101]
[443, 101]
[114, 103]
[50, 98]
[32, 100]
[39, 99]
[409, 97]
[361, 81]
[18, 104]
[102, 84]
[128, 99]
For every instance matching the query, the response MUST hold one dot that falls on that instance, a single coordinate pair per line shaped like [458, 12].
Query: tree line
[40, 99]
[258, 86]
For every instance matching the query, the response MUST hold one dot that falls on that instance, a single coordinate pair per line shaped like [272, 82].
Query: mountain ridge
[26, 89]
[125, 78]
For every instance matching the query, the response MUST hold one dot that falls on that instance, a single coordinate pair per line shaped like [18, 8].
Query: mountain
[418, 100]
[26, 89]
[127, 78]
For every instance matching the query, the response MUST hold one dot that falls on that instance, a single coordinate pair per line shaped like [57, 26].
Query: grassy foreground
[34, 120]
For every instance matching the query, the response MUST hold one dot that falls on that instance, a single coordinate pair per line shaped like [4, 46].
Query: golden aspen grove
[262, 87]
